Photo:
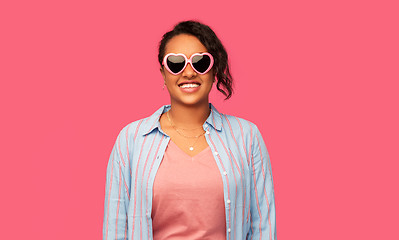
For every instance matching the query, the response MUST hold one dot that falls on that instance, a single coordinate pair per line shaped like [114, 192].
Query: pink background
[319, 78]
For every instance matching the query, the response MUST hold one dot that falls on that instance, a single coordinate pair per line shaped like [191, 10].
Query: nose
[189, 72]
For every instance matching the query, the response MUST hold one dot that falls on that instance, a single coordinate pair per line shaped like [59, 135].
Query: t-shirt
[188, 197]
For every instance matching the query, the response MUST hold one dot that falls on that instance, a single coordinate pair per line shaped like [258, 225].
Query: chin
[191, 100]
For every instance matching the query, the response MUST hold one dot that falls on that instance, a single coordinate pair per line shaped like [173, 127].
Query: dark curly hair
[214, 46]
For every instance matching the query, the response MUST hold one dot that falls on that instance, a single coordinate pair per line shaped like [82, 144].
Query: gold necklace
[183, 135]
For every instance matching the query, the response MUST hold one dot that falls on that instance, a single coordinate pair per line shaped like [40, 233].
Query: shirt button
[225, 173]
[228, 201]
[216, 153]
[229, 230]
[207, 132]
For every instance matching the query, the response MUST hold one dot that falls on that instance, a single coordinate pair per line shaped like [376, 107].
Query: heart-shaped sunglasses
[175, 63]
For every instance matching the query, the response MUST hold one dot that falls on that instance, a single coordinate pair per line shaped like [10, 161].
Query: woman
[188, 171]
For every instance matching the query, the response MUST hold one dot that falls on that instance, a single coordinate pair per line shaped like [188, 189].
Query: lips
[187, 84]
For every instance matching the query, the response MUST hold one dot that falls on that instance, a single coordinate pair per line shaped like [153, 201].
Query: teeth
[189, 85]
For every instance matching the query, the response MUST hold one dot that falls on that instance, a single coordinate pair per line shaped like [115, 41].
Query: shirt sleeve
[262, 208]
[116, 196]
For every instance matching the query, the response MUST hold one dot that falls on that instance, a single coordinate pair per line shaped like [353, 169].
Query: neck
[189, 116]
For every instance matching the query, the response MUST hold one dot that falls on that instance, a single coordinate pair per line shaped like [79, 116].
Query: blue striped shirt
[240, 154]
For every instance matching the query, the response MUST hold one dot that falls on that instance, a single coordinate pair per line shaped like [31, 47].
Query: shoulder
[238, 124]
[143, 126]
[130, 135]
[135, 128]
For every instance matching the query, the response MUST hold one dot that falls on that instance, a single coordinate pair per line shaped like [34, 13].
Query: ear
[162, 72]
[214, 75]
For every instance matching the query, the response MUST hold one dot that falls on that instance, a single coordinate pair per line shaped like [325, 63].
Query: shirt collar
[214, 119]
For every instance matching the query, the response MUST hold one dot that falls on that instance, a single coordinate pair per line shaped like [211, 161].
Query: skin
[188, 110]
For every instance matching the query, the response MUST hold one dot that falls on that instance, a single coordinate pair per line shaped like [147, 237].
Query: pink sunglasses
[175, 63]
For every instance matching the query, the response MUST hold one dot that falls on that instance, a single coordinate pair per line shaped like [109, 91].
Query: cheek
[209, 78]
[170, 78]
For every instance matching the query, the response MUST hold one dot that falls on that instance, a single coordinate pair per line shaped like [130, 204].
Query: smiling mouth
[189, 85]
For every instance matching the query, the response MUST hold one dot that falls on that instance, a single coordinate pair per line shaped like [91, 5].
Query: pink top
[188, 197]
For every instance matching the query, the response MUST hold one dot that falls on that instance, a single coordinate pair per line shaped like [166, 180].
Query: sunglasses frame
[187, 61]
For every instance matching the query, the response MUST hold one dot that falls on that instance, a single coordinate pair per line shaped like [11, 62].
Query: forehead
[186, 44]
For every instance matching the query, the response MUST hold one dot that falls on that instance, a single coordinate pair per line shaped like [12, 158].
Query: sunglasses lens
[175, 63]
[201, 63]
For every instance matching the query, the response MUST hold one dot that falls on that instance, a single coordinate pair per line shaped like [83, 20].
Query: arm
[263, 213]
[116, 196]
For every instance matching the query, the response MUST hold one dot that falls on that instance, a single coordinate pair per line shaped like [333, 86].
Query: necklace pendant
[191, 148]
